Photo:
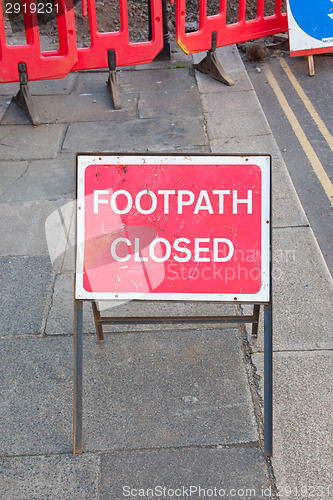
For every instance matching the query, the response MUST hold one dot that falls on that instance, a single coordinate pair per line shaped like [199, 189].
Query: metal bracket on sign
[112, 82]
[23, 97]
[211, 66]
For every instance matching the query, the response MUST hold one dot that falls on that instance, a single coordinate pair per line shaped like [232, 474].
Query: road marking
[308, 149]
[307, 103]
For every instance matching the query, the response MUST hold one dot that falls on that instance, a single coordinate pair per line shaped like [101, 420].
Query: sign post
[185, 228]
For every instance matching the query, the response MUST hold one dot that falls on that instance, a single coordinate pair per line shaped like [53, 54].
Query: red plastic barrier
[127, 53]
[227, 34]
[41, 65]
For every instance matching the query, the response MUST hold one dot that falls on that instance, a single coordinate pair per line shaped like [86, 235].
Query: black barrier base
[112, 83]
[23, 97]
[165, 54]
[101, 320]
[211, 66]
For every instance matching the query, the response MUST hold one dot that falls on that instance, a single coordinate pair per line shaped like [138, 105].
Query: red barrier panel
[41, 65]
[127, 53]
[227, 34]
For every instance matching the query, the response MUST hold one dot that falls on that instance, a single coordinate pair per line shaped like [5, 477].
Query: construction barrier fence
[227, 33]
[70, 56]
[45, 64]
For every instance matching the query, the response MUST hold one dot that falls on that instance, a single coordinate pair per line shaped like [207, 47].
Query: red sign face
[191, 228]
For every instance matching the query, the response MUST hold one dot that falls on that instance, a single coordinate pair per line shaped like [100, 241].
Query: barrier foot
[112, 82]
[23, 97]
[211, 66]
[165, 53]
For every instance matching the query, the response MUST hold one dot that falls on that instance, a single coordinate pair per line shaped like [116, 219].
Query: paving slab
[208, 85]
[287, 209]
[50, 179]
[4, 104]
[168, 103]
[29, 143]
[75, 108]
[57, 232]
[36, 396]
[24, 284]
[164, 134]
[303, 427]
[54, 87]
[219, 103]
[9, 89]
[45, 87]
[60, 318]
[93, 83]
[302, 293]
[23, 223]
[56, 477]
[226, 471]
[237, 124]
[137, 81]
[10, 172]
[68, 263]
[159, 389]
[261, 143]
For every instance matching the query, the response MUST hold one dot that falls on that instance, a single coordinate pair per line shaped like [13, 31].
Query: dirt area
[108, 18]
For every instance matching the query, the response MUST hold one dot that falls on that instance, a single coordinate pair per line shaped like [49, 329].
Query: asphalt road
[299, 110]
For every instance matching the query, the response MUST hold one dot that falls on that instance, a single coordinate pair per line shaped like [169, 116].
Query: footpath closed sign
[173, 227]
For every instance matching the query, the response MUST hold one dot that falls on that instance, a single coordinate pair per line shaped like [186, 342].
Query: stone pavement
[177, 406]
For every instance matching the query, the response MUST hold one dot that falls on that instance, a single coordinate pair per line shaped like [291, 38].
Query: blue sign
[314, 17]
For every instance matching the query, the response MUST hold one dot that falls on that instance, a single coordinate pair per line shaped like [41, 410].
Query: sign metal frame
[264, 298]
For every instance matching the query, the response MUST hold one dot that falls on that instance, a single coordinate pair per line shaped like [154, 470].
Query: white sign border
[299, 40]
[262, 161]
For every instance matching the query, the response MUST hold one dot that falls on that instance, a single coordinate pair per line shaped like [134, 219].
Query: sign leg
[78, 359]
[97, 316]
[256, 314]
[310, 62]
[268, 381]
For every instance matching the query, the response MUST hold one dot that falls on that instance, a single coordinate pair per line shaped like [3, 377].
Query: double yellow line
[305, 143]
